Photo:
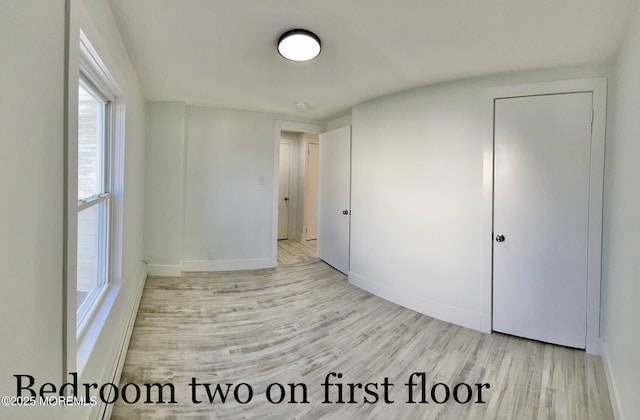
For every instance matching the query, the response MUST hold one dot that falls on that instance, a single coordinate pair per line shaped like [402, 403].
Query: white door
[283, 196]
[334, 198]
[311, 192]
[541, 212]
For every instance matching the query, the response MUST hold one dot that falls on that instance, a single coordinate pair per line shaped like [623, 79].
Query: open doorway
[296, 198]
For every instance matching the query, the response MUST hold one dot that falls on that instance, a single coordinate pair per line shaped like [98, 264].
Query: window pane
[90, 144]
[92, 251]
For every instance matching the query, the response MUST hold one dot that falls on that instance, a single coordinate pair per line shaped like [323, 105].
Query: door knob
[499, 238]
[346, 212]
[286, 199]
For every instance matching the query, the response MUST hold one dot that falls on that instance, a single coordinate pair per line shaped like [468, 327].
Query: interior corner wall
[339, 122]
[416, 228]
[31, 208]
[621, 234]
[164, 179]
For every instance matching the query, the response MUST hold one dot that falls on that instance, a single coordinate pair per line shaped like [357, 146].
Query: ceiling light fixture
[299, 45]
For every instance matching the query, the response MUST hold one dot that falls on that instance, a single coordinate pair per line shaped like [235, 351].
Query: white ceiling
[222, 52]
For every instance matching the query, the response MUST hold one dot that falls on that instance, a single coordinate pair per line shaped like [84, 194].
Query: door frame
[279, 126]
[598, 87]
[289, 175]
[305, 215]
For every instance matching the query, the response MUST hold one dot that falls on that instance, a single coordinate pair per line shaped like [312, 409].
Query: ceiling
[222, 52]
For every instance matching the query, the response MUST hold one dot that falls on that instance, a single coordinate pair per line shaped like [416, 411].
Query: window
[94, 193]
[95, 163]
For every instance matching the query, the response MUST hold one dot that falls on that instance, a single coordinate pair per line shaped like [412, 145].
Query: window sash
[94, 211]
[104, 139]
[93, 266]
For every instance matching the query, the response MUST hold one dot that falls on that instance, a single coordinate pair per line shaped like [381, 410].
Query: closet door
[542, 147]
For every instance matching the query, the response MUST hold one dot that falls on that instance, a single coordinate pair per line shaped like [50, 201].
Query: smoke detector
[301, 104]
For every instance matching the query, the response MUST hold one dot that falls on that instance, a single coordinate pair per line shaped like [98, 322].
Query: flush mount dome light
[299, 45]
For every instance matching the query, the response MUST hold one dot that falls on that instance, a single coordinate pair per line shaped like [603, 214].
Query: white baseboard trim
[424, 306]
[161, 270]
[226, 265]
[120, 350]
[165, 270]
[611, 383]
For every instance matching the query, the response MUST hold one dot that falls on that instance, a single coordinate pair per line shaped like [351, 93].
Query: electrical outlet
[211, 255]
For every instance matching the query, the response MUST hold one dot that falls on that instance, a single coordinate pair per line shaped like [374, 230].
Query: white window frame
[104, 196]
[82, 328]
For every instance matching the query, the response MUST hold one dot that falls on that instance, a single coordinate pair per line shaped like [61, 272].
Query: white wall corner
[339, 122]
[614, 395]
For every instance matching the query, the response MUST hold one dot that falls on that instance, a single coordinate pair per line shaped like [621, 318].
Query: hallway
[290, 251]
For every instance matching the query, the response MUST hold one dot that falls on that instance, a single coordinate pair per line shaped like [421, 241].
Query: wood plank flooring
[290, 251]
[299, 322]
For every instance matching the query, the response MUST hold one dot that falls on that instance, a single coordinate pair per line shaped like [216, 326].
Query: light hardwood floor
[301, 321]
[290, 251]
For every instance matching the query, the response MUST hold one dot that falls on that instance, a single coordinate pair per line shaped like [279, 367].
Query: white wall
[31, 208]
[621, 241]
[31, 176]
[164, 172]
[227, 178]
[228, 189]
[417, 194]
